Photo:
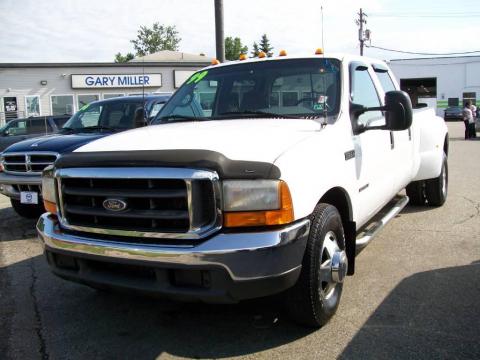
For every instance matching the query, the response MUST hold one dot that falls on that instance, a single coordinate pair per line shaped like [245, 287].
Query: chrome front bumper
[245, 257]
[7, 180]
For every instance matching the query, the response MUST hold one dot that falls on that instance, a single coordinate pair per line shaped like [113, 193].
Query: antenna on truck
[323, 45]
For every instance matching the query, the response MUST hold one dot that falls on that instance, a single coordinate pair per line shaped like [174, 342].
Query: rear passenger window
[385, 80]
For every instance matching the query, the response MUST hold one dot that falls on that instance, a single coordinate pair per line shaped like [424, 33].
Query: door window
[385, 80]
[364, 93]
[17, 128]
[39, 126]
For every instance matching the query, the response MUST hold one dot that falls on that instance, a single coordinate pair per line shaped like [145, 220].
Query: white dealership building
[31, 89]
[439, 82]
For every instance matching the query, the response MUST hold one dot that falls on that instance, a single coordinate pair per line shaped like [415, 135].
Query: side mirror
[398, 112]
[398, 109]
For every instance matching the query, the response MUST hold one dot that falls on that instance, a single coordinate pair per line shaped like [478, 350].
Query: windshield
[283, 88]
[118, 115]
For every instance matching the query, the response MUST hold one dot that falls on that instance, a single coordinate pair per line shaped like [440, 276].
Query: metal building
[32, 89]
[439, 82]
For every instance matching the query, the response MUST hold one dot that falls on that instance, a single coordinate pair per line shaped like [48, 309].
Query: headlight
[48, 190]
[256, 203]
[248, 195]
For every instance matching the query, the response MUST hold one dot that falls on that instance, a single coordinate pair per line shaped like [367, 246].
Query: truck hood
[245, 139]
[60, 143]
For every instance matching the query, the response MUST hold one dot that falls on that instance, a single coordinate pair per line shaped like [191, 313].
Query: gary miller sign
[116, 81]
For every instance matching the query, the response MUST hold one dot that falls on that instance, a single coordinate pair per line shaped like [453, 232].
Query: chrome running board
[373, 230]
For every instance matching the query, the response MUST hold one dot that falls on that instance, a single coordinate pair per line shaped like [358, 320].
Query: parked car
[453, 113]
[24, 161]
[270, 188]
[21, 129]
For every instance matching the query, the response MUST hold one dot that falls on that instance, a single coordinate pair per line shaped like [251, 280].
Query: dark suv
[21, 164]
[21, 129]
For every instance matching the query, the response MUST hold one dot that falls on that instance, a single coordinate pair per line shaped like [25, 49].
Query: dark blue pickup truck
[21, 164]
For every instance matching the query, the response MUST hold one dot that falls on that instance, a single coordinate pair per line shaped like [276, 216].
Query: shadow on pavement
[434, 314]
[14, 227]
[81, 323]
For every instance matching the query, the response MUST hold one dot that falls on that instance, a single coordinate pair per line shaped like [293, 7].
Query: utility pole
[219, 36]
[361, 35]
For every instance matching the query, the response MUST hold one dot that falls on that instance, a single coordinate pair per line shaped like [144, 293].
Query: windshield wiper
[180, 118]
[262, 114]
[68, 130]
[97, 127]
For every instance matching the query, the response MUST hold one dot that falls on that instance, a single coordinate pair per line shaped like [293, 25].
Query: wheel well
[445, 145]
[339, 198]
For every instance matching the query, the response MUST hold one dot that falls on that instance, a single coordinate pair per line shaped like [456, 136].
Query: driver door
[372, 147]
[15, 131]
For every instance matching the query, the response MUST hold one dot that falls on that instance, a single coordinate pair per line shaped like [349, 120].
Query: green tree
[265, 45]
[255, 50]
[234, 47]
[156, 38]
[119, 58]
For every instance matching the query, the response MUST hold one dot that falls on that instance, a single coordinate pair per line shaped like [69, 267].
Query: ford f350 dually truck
[266, 176]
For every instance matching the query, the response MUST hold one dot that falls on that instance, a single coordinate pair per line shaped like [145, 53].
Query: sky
[95, 30]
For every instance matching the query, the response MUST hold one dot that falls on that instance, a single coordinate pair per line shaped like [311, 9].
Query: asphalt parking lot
[416, 294]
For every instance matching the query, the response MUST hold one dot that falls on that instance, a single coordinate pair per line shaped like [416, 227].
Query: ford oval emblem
[114, 205]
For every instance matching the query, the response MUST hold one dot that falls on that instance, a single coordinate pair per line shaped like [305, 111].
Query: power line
[422, 53]
[427, 15]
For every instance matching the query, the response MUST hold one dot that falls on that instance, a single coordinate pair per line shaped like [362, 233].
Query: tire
[416, 193]
[437, 189]
[311, 301]
[27, 211]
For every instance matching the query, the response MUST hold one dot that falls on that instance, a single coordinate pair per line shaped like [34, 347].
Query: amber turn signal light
[50, 207]
[284, 215]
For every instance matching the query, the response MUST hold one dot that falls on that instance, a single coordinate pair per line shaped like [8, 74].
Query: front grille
[27, 163]
[153, 206]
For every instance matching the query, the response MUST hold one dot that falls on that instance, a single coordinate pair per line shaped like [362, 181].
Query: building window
[32, 105]
[109, 96]
[62, 104]
[86, 99]
[470, 96]
[453, 102]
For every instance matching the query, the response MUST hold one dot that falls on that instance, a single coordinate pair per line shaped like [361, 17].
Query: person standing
[473, 133]
[467, 117]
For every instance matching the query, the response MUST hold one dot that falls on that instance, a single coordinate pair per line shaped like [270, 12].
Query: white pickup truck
[264, 176]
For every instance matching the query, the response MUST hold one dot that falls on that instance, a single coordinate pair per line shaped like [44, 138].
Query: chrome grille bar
[169, 203]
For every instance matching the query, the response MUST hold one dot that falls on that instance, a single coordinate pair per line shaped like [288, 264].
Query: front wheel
[27, 210]
[314, 299]
[437, 189]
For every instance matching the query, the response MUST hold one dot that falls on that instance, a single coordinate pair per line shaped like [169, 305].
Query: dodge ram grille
[31, 163]
[176, 203]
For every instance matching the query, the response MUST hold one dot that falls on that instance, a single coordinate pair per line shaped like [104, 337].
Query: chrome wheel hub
[333, 265]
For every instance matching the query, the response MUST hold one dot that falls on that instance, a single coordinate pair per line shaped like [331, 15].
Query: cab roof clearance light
[282, 53]
[242, 57]
[319, 51]
[215, 62]
[261, 55]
